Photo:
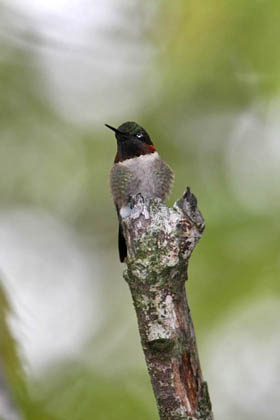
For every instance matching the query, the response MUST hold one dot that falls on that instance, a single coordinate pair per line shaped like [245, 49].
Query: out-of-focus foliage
[78, 394]
[221, 53]
[11, 376]
[15, 402]
[203, 78]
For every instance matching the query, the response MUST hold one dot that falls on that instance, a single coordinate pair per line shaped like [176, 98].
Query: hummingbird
[137, 168]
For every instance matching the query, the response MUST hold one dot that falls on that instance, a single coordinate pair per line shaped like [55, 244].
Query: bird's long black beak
[113, 128]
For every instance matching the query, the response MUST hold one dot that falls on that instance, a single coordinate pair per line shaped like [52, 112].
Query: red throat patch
[149, 148]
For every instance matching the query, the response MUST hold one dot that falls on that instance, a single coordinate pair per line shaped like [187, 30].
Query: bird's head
[133, 140]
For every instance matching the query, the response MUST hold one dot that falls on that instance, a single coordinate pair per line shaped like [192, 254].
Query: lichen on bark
[160, 241]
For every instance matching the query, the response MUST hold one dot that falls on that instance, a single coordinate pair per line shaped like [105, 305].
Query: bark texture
[160, 241]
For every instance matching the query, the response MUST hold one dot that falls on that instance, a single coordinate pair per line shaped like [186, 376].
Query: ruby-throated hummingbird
[137, 168]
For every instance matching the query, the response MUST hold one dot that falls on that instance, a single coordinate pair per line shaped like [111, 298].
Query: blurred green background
[203, 78]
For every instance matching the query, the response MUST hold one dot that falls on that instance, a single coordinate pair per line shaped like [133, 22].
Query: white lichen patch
[181, 410]
[171, 259]
[139, 274]
[174, 218]
[157, 331]
[170, 312]
[146, 213]
[125, 211]
[165, 324]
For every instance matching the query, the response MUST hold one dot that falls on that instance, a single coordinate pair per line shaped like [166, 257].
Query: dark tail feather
[122, 244]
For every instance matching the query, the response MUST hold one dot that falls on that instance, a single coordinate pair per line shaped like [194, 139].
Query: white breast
[144, 168]
[141, 161]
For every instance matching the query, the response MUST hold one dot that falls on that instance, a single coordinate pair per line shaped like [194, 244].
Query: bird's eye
[139, 135]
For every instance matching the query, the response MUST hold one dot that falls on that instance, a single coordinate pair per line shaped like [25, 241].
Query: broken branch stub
[160, 241]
